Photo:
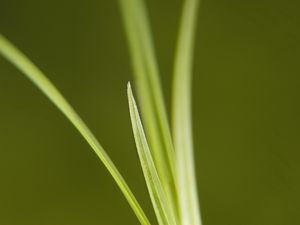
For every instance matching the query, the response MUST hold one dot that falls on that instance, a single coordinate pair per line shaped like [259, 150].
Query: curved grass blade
[182, 116]
[162, 209]
[150, 94]
[12, 54]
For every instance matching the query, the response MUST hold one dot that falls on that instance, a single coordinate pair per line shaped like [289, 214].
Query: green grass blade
[150, 94]
[162, 208]
[182, 116]
[12, 54]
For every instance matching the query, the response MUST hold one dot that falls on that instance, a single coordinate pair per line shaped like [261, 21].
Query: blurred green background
[246, 111]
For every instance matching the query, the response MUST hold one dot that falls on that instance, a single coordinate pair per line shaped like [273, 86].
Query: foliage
[167, 161]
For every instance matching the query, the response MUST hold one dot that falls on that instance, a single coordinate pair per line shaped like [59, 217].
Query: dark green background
[246, 111]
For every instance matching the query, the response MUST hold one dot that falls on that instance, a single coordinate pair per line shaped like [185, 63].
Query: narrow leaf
[12, 54]
[158, 198]
[182, 119]
[150, 94]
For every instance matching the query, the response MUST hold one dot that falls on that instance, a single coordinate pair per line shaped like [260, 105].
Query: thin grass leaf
[12, 54]
[150, 94]
[182, 116]
[162, 210]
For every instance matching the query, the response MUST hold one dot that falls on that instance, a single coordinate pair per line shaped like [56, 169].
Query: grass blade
[150, 94]
[158, 198]
[12, 54]
[182, 116]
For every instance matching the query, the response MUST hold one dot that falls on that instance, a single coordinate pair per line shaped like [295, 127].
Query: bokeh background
[246, 111]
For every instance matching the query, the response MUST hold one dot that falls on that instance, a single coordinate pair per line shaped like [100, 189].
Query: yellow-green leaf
[150, 94]
[12, 54]
[182, 116]
[162, 210]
